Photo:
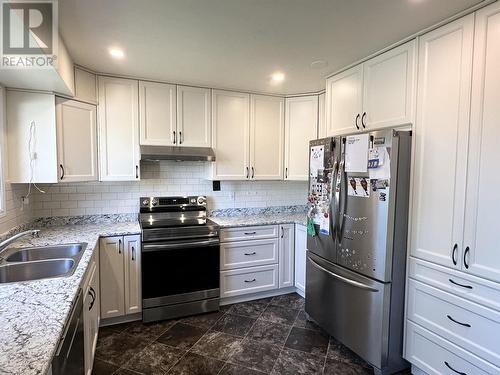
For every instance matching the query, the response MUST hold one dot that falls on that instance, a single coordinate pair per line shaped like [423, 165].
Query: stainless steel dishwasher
[70, 354]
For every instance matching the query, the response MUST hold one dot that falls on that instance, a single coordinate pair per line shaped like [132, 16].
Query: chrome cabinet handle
[248, 172]
[119, 246]
[286, 173]
[250, 281]
[253, 172]
[344, 279]
[466, 252]
[62, 171]
[282, 232]
[136, 171]
[454, 253]
[180, 138]
[458, 284]
[356, 121]
[363, 120]
[252, 253]
[452, 369]
[93, 295]
[249, 233]
[457, 322]
[133, 253]
[175, 138]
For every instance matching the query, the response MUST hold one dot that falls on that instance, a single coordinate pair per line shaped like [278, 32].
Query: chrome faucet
[8, 241]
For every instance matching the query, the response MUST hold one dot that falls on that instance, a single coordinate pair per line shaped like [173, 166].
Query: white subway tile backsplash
[163, 178]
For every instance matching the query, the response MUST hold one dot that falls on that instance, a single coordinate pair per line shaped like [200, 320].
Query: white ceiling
[239, 43]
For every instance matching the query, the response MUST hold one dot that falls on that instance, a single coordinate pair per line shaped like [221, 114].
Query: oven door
[176, 272]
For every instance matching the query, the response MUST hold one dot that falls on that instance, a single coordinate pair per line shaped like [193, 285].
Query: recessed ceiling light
[278, 76]
[319, 64]
[117, 53]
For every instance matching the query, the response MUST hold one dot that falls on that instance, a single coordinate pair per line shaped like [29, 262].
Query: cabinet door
[157, 114]
[440, 143]
[76, 141]
[287, 255]
[388, 88]
[193, 116]
[301, 126]
[91, 316]
[483, 203]
[321, 116]
[85, 86]
[112, 277]
[344, 94]
[266, 137]
[118, 129]
[300, 257]
[133, 298]
[231, 130]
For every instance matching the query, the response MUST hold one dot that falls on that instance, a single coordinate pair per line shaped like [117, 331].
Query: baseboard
[416, 371]
[120, 319]
[300, 292]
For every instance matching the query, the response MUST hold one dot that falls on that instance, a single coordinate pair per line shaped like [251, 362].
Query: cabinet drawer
[431, 354]
[248, 233]
[478, 290]
[248, 253]
[248, 280]
[473, 327]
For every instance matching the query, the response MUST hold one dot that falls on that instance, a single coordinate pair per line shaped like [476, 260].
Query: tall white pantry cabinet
[453, 313]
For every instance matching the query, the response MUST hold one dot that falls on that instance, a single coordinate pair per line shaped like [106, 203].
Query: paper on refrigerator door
[382, 172]
[317, 159]
[356, 153]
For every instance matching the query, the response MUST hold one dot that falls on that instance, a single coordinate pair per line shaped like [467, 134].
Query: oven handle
[147, 247]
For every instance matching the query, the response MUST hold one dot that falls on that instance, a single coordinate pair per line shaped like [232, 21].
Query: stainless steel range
[180, 258]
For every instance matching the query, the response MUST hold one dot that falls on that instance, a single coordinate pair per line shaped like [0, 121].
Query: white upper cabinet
[76, 140]
[388, 88]
[440, 144]
[118, 129]
[301, 126]
[483, 204]
[85, 86]
[321, 116]
[193, 117]
[376, 94]
[266, 137]
[230, 138]
[344, 96]
[31, 137]
[157, 113]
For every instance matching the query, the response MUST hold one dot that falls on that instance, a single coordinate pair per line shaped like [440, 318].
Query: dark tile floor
[267, 336]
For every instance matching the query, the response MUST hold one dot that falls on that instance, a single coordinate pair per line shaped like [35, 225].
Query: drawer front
[473, 327]
[248, 233]
[478, 290]
[436, 356]
[248, 253]
[248, 280]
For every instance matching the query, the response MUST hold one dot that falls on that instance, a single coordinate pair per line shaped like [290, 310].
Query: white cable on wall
[32, 156]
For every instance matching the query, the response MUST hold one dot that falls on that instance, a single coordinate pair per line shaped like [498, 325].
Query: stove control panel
[192, 201]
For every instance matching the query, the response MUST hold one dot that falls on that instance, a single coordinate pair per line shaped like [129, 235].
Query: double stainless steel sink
[34, 263]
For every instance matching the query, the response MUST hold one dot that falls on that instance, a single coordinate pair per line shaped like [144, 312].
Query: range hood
[155, 153]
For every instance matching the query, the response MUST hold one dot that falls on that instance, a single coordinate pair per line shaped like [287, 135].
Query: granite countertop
[260, 219]
[34, 313]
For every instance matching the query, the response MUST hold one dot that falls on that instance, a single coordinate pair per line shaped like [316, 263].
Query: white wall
[163, 179]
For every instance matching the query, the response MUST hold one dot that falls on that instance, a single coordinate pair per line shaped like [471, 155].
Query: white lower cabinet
[248, 280]
[120, 276]
[91, 312]
[436, 356]
[256, 259]
[287, 255]
[300, 257]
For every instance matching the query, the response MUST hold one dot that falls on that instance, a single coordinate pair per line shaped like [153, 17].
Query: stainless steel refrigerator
[357, 232]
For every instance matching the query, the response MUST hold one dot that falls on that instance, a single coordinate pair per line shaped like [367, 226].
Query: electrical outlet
[25, 201]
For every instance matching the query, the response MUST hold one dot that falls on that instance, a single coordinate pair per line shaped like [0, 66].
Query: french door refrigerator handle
[333, 214]
[342, 194]
[344, 279]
